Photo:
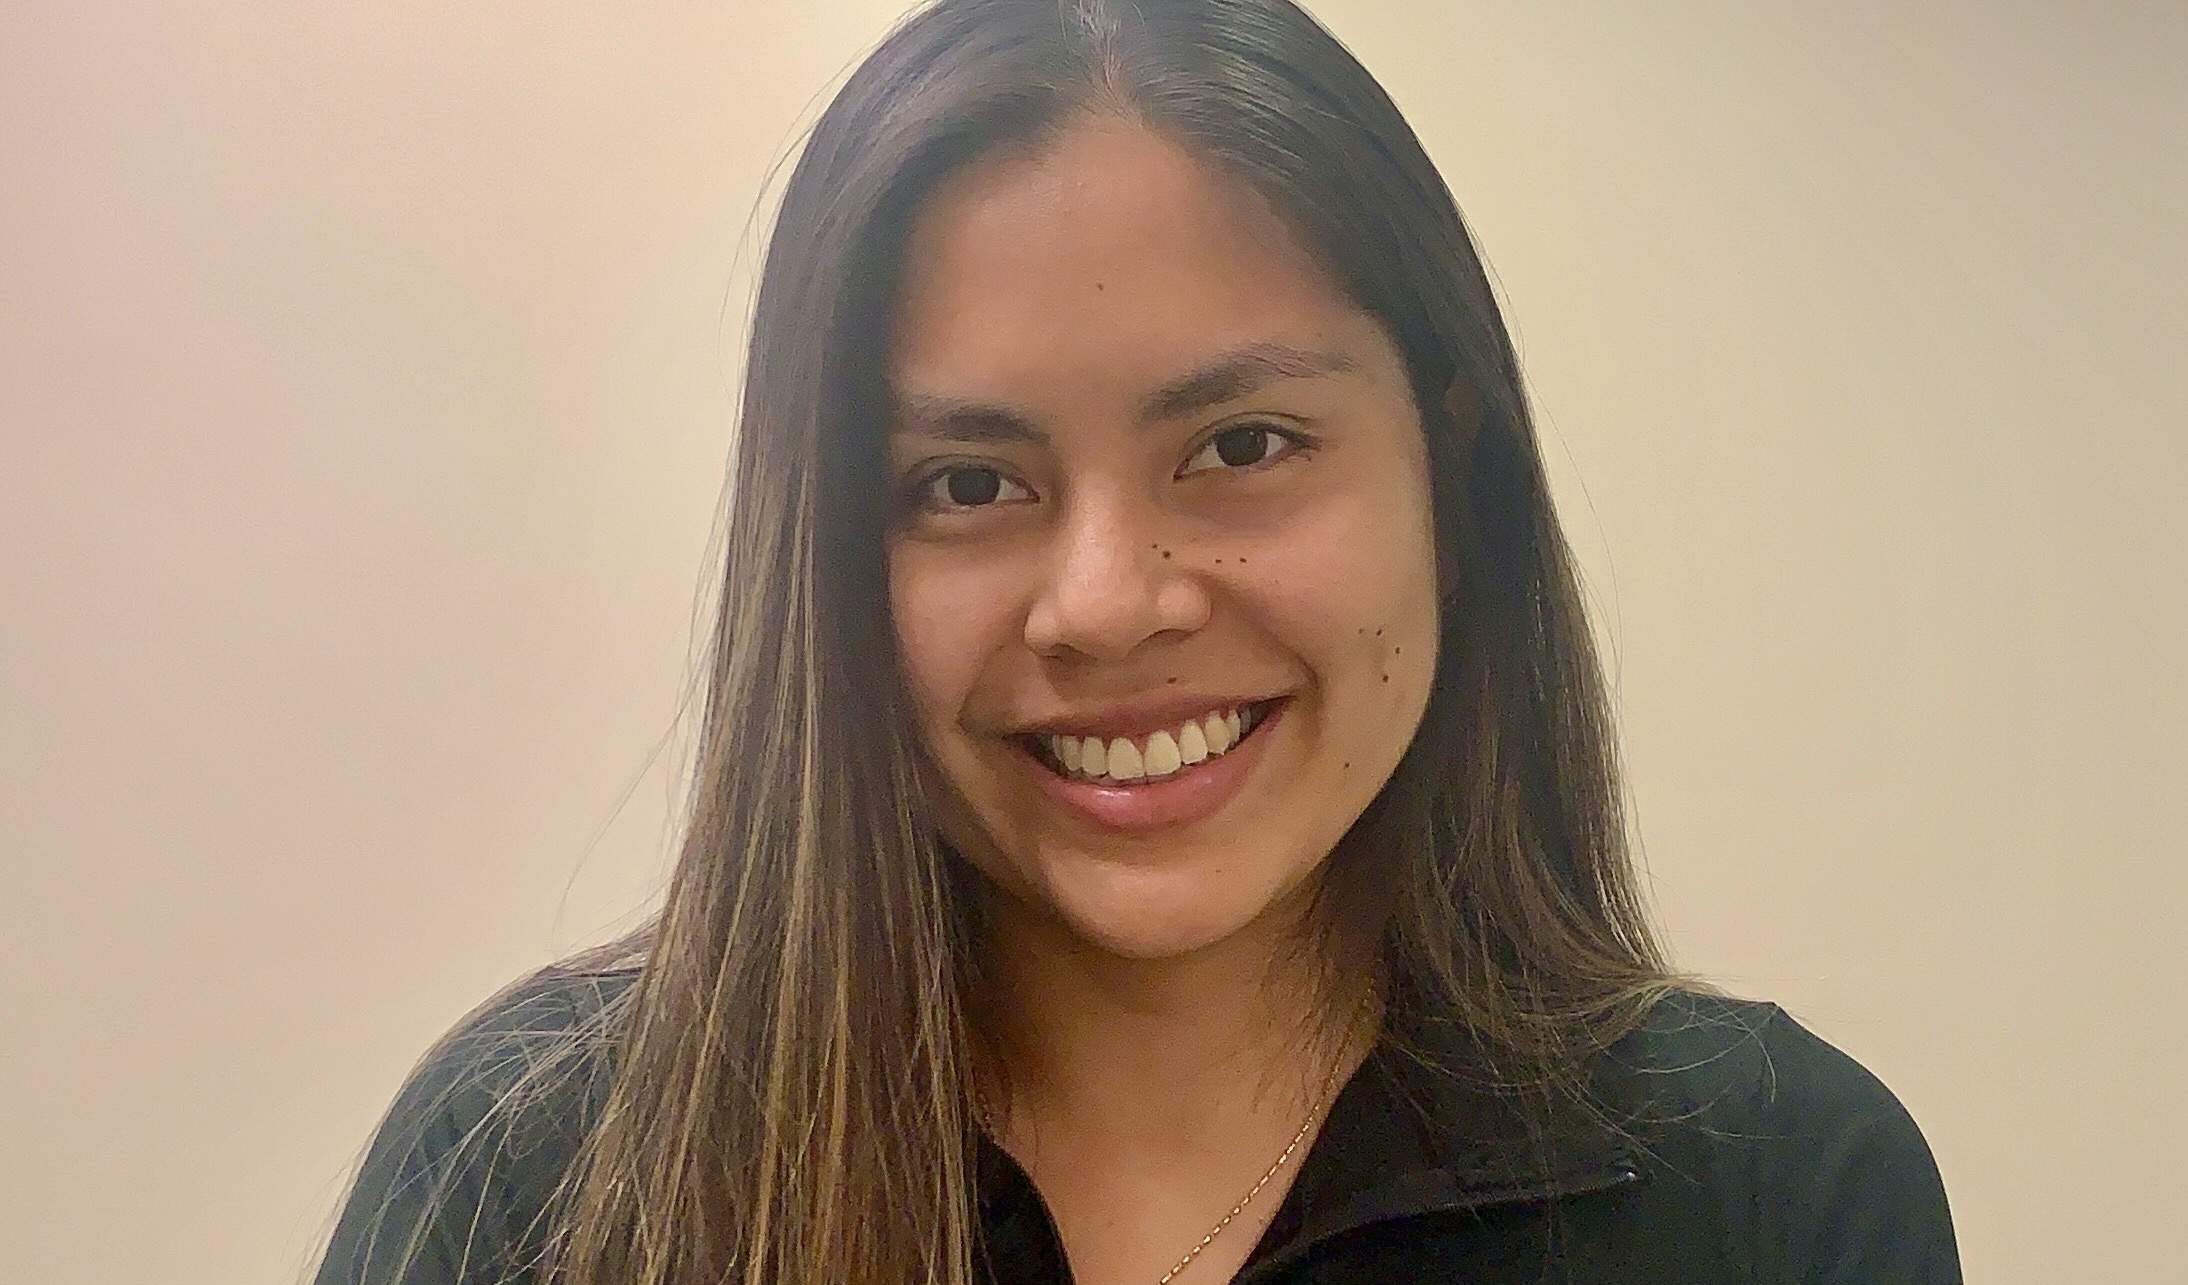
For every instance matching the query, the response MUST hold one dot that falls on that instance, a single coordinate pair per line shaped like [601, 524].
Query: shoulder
[1719, 1056]
[460, 1179]
[1737, 1100]
[527, 1056]
[501, 1038]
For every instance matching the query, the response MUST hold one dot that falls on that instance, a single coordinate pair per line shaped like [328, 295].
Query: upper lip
[1137, 718]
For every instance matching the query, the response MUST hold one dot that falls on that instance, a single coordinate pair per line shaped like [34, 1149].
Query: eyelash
[918, 492]
[1301, 445]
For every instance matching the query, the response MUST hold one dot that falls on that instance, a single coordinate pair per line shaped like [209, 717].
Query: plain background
[364, 380]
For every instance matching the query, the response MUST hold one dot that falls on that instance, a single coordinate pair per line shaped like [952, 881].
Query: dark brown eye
[972, 486]
[961, 487]
[1247, 446]
[1238, 447]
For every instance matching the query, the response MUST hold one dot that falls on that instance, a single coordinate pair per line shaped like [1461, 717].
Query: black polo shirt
[1738, 1147]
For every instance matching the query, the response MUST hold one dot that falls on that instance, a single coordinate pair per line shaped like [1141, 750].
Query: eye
[1246, 446]
[957, 487]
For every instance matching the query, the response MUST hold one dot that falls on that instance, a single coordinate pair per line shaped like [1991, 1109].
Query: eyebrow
[1223, 378]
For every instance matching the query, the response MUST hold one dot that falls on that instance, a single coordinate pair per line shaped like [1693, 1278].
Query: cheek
[1352, 589]
[947, 616]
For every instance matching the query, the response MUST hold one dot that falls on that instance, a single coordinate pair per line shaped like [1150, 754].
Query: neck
[1160, 1055]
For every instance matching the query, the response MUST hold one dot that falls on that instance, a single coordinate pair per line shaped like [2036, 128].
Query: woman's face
[1163, 483]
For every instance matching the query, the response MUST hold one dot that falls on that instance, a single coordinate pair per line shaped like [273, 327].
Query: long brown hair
[790, 1100]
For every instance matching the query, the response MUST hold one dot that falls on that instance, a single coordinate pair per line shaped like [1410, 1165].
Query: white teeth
[1161, 754]
[1192, 744]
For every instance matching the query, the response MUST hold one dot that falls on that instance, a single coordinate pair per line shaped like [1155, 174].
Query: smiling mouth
[1145, 760]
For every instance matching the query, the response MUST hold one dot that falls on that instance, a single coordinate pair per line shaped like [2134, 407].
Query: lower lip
[1192, 794]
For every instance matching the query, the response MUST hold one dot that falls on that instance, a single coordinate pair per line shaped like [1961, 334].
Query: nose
[1112, 583]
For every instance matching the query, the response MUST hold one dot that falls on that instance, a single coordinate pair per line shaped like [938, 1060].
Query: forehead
[1097, 266]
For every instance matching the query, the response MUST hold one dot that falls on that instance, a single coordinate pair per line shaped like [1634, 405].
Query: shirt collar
[1409, 1134]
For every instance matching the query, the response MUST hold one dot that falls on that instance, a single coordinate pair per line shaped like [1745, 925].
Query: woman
[1157, 814]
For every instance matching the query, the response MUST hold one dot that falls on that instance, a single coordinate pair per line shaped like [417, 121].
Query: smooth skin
[1063, 545]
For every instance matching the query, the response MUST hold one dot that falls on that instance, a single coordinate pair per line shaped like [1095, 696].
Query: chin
[1136, 912]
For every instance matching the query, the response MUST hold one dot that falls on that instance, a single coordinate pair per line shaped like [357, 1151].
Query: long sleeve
[424, 1209]
[460, 1182]
[1861, 1199]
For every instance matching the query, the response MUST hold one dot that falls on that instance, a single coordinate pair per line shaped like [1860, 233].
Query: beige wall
[363, 374]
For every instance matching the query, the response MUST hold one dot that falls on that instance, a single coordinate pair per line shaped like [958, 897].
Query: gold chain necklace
[987, 1122]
